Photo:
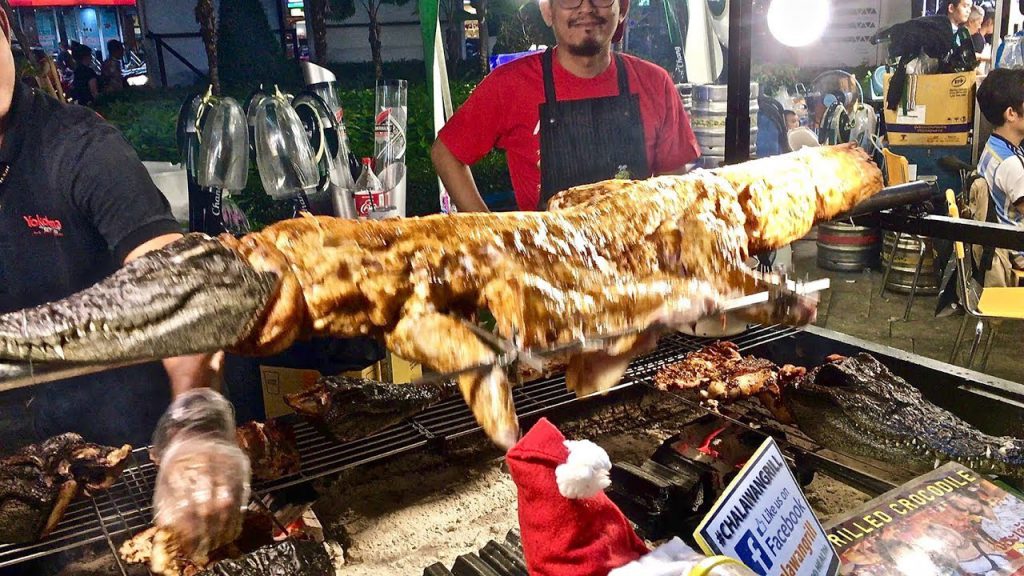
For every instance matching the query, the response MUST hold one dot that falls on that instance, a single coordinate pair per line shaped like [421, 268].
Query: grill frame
[125, 509]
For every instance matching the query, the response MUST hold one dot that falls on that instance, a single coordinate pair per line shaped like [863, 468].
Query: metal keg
[846, 248]
[710, 161]
[686, 93]
[708, 115]
[904, 264]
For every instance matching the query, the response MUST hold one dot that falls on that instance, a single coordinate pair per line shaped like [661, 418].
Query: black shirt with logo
[75, 201]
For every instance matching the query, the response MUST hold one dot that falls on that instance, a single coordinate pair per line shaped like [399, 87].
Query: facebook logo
[751, 553]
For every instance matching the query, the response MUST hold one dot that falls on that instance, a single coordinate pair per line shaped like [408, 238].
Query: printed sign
[764, 520]
[951, 521]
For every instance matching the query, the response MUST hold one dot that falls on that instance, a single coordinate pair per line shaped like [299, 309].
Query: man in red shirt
[573, 115]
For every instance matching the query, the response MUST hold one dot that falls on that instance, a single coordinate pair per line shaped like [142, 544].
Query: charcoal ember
[39, 481]
[347, 408]
[271, 449]
[288, 558]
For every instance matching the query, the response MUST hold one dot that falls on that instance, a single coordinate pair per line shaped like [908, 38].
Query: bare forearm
[457, 179]
[195, 371]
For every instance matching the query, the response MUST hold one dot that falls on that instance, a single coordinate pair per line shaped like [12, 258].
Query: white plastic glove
[202, 485]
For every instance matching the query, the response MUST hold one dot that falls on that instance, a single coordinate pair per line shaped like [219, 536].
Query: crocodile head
[351, 408]
[194, 295]
[857, 406]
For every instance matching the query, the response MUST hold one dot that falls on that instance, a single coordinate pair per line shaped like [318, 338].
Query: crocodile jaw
[194, 295]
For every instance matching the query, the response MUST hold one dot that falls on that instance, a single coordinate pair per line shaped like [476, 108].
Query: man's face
[583, 30]
[961, 12]
[974, 25]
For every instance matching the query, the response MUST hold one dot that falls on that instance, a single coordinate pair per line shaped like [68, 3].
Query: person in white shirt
[1001, 99]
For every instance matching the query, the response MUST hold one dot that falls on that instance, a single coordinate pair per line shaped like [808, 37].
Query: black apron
[590, 140]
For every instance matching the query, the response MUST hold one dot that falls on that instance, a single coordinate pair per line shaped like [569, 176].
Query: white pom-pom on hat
[585, 472]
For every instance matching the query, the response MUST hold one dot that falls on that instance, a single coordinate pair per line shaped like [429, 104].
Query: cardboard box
[937, 110]
[279, 381]
[398, 370]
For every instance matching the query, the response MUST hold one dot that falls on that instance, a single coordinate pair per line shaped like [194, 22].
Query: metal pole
[737, 120]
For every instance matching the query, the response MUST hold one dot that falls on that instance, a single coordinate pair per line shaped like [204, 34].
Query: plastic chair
[898, 169]
[991, 304]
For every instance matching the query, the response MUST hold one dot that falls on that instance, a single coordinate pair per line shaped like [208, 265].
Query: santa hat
[623, 9]
[569, 526]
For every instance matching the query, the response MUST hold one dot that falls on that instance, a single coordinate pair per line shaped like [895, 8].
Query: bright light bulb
[798, 23]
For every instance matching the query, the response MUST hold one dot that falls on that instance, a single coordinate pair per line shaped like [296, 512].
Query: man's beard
[587, 48]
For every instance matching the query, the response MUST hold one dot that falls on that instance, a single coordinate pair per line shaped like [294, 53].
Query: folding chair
[991, 304]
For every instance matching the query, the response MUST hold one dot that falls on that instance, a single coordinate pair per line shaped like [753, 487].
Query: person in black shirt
[75, 204]
[85, 87]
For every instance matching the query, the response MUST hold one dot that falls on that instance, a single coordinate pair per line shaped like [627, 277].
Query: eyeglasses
[574, 4]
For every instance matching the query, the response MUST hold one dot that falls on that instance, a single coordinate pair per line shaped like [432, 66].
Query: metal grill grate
[126, 508]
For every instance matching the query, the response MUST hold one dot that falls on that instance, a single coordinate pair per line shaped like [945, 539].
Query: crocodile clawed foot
[194, 295]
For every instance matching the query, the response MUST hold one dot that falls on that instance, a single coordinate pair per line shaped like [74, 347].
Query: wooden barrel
[904, 263]
[846, 248]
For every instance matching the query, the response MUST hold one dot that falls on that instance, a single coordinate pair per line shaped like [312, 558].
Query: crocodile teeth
[988, 452]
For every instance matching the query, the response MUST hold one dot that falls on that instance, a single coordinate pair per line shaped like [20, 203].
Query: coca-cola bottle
[369, 192]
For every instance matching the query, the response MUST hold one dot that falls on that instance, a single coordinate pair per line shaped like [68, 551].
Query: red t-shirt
[504, 112]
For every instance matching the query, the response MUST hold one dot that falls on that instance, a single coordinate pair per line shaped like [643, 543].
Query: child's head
[1001, 96]
[792, 120]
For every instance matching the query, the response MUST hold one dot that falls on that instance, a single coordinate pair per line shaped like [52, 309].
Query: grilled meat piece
[347, 408]
[720, 373]
[39, 481]
[157, 547]
[288, 558]
[612, 256]
[857, 406]
[271, 449]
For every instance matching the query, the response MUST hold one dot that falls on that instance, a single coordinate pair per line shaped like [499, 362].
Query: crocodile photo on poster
[950, 521]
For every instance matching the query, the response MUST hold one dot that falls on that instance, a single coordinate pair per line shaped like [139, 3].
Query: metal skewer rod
[22, 374]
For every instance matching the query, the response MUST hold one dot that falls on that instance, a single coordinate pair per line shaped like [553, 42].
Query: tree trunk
[318, 29]
[207, 20]
[452, 32]
[485, 37]
[375, 40]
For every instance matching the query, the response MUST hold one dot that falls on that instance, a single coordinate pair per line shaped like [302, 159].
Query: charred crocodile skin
[289, 558]
[857, 406]
[39, 481]
[349, 408]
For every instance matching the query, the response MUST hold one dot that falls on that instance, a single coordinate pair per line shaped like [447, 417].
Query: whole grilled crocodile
[857, 406]
[615, 257]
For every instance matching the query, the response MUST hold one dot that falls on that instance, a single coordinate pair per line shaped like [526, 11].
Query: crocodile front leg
[194, 295]
[447, 345]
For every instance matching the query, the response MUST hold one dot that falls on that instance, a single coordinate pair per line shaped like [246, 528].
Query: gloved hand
[202, 485]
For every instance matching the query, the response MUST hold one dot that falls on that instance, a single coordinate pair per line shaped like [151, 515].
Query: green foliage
[247, 50]
[360, 74]
[771, 78]
[341, 9]
[147, 119]
[520, 25]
